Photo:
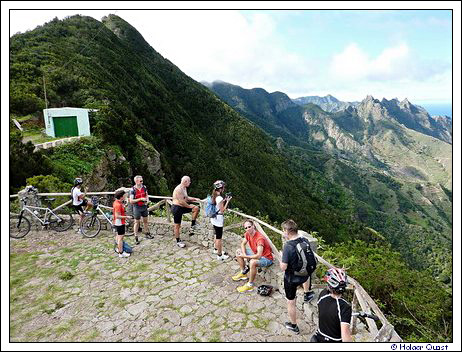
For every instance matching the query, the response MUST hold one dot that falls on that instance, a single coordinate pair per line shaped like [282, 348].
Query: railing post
[167, 208]
[354, 308]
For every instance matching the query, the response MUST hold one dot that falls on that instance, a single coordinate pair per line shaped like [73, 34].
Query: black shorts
[178, 212]
[120, 229]
[218, 232]
[291, 288]
[79, 208]
[140, 211]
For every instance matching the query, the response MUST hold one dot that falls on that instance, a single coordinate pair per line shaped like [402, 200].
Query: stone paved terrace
[64, 287]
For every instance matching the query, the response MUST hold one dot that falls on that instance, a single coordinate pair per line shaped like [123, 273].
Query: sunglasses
[248, 227]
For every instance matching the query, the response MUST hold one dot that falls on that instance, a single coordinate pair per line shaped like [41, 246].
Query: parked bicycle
[20, 223]
[91, 224]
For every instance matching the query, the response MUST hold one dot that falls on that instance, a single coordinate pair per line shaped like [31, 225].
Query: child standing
[119, 221]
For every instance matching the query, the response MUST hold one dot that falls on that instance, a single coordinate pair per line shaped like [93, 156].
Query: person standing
[119, 221]
[334, 311]
[139, 199]
[181, 205]
[288, 264]
[79, 201]
[218, 221]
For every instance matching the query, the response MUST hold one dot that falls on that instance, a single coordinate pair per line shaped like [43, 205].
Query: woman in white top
[221, 204]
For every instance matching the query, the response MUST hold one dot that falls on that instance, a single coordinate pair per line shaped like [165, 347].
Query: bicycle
[91, 224]
[20, 224]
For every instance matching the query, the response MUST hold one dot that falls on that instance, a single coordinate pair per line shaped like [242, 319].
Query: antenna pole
[45, 92]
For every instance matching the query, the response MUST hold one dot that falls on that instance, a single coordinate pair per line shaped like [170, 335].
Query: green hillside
[397, 180]
[154, 120]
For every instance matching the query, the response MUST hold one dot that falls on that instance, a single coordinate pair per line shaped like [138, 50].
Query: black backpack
[306, 260]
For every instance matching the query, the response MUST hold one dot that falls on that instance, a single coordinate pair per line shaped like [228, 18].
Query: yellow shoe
[239, 276]
[246, 287]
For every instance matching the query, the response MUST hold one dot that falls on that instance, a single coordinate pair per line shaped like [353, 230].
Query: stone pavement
[64, 287]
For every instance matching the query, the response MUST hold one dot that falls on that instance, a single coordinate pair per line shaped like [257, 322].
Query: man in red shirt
[259, 254]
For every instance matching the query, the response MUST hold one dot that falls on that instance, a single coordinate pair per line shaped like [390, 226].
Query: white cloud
[394, 72]
[224, 45]
[247, 51]
[353, 63]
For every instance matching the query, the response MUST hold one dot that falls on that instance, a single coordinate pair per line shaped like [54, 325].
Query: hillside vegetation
[399, 179]
[154, 120]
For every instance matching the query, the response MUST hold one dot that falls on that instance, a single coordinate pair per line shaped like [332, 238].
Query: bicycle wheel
[91, 226]
[19, 226]
[61, 222]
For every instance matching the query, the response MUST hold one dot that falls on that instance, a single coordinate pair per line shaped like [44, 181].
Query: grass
[89, 337]
[160, 335]
[215, 337]
[66, 276]
[261, 323]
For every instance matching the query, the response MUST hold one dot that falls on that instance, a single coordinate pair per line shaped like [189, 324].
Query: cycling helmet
[264, 290]
[219, 184]
[336, 279]
[78, 181]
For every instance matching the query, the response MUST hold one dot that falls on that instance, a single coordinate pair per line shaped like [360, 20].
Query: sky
[346, 53]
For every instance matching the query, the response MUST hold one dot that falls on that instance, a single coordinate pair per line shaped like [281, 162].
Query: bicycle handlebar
[365, 315]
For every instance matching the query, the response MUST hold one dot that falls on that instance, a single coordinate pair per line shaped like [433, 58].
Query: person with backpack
[139, 199]
[298, 263]
[215, 209]
[334, 312]
[79, 201]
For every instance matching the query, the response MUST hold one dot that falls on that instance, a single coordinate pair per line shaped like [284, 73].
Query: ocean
[438, 109]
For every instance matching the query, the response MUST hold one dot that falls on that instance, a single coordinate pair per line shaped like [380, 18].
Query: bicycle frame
[98, 207]
[45, 216]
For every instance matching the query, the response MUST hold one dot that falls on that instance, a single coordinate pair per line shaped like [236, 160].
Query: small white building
[67, 122]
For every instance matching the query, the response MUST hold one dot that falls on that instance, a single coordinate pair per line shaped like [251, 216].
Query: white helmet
[336, 279]
[219, 184]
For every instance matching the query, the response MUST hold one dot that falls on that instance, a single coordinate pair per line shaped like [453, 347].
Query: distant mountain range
[401, 155]
[258, 101]
[327, 103]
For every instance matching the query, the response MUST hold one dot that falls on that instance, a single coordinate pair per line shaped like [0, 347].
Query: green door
[65, 126]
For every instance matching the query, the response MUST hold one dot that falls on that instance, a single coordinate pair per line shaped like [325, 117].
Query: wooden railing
[360, 296]
[386, 333]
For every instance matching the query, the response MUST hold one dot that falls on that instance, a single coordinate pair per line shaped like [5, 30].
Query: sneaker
[124, 255]
[246, 287]
[222, 257]
[137, 241]
[239, 276]
[215, 251]
[180, 244]
[79, 231]
[194, 227]
[292, 327]
[149, 236]
[308, 296]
